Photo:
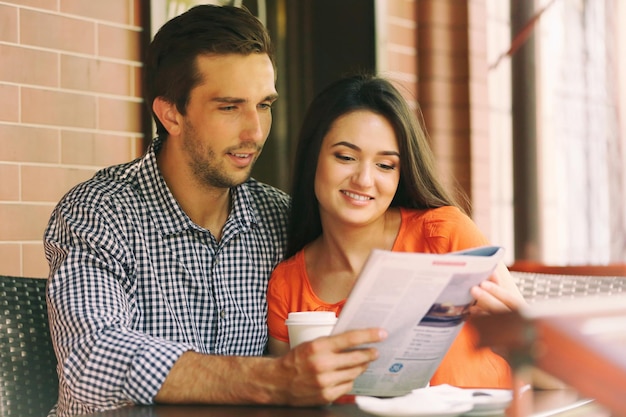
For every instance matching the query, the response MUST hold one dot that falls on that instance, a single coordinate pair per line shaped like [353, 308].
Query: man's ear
[168, 115]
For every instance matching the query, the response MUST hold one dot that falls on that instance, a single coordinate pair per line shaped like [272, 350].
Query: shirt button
[223, 313]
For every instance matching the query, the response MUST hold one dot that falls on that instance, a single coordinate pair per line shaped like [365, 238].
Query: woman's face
[358, 169]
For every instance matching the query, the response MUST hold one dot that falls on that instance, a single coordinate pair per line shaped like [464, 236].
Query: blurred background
[524, 102]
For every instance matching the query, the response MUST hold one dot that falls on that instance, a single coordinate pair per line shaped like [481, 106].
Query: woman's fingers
[497, 294]
[492, 298]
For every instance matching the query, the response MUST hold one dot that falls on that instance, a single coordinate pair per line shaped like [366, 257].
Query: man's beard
[203, 163]
[212, 176]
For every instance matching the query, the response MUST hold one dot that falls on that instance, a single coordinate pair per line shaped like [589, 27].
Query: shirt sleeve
[104, 361]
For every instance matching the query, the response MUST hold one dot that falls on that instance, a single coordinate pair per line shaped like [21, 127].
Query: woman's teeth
[356, 196]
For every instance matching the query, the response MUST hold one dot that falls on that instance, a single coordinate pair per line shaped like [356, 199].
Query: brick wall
[70, 102]
[397, 45]
[480, 149]
[439, 51]
[499, 214]
[69, 105]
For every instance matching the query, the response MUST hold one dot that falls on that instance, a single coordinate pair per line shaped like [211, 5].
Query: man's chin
[232, 181]
[246, 178]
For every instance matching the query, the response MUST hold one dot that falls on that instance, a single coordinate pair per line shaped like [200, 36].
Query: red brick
[10, 259]
[58, 108]
[57, 32]
[442, 12]
[80, 148]
[402, 62]
[401, 35]
[49, 184]
[38, 4]
[9, 96]
[117, 11]
[406, 9]
[42, 66]
[10, 184]
[28, 144]
[23, 221]
[8, 24]
[78, 73]
[119, 115]
[34, 260]
[121, 43]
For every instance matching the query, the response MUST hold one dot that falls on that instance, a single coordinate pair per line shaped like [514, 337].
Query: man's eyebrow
[356, 148]
[231, 100]
[237, 100]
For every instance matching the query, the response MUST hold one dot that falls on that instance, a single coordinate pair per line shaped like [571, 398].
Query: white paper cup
[308, 325]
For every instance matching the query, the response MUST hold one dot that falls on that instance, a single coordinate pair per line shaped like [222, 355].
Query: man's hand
[321, 371]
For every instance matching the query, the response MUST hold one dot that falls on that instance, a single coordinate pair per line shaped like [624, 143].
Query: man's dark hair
[170, 67]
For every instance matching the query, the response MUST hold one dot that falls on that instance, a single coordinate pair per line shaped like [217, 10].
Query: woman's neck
[335, 259]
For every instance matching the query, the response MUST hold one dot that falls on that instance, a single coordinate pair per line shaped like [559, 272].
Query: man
[159, 267]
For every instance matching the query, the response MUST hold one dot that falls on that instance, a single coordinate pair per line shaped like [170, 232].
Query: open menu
[421, 300]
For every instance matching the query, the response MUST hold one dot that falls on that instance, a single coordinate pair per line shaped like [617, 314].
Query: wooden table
[582, 342]
[562, 403]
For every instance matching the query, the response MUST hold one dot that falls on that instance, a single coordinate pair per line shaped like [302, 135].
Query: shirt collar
[166, 211]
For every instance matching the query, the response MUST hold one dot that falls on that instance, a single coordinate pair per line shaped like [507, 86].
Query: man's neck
[206, 206]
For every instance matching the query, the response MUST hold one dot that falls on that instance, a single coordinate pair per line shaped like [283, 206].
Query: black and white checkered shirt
[134, 282]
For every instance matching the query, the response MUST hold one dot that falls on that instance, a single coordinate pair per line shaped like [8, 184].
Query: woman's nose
[363, 175]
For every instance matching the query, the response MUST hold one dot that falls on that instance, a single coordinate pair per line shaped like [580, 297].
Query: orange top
[440, 230]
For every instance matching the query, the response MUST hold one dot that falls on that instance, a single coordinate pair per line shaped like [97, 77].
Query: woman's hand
[498, 294]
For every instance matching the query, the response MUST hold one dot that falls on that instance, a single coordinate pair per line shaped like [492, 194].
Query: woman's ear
[168, 115]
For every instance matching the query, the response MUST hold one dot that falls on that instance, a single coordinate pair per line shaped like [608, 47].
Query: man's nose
[253, 126]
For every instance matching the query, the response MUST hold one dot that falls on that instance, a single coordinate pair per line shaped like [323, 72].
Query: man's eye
[228, 108]
[266, 106]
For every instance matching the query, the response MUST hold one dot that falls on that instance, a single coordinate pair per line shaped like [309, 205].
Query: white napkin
[423, 401]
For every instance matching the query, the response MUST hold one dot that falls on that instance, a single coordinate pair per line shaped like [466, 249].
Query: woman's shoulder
[441, 229]
[289, 271]
[439, 215]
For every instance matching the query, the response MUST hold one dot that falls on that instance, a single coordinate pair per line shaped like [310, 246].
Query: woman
[365, 179]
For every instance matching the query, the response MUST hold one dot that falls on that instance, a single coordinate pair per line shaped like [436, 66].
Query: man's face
[228, 118]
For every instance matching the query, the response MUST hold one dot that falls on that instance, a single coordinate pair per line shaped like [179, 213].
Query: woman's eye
[342, 157]
[387, 167]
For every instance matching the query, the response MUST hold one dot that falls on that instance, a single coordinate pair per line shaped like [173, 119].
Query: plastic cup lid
[311, 317]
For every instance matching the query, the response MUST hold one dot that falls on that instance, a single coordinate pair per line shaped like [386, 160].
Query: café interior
[524, 103]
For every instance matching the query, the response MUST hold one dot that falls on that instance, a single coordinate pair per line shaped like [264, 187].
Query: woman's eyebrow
[356, 148]
[347, 145]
